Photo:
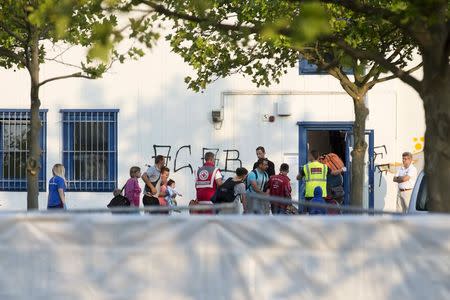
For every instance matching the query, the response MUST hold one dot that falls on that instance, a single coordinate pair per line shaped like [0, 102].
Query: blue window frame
[90, 149]
[306, 68]
[14, 149]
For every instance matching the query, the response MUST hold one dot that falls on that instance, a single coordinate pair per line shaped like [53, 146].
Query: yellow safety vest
[315, 175]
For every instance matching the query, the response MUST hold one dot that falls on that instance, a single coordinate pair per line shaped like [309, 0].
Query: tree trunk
[436, 99]
[359, 150]
[33, 163]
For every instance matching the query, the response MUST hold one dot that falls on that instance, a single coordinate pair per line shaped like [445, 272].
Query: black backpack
[225, 193]
[119, 200]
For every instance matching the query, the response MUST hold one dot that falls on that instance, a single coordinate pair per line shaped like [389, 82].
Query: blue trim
[322, 125]
[89, 110]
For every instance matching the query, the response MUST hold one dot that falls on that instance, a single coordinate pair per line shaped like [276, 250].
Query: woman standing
[132, 188]
[56, 188]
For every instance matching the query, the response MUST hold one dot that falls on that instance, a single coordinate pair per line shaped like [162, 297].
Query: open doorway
[336, 137]
[331, 141]
[328, 141]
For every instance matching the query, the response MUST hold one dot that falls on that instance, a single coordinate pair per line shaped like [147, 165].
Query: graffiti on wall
[184, 153]
[392, 167]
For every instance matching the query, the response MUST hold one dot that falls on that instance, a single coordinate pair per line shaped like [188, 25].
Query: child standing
[171, 193]
[132, 188]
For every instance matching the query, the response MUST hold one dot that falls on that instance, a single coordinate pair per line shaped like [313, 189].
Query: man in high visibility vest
[315, 174]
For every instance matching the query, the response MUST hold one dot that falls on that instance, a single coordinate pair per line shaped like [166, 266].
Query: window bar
[9, 148]
[70, 133]
[74, 149]
[83, 150]
[116, 146]
[3, 151]
[26, 142]
[19, 129]
[91, 169]
[106, 161]
[23, 127]
[101, 165]
[96, 148]
[91, 152]
[78, 150]
[66, 120]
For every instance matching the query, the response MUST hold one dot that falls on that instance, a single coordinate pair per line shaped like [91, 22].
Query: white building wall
[157, 109]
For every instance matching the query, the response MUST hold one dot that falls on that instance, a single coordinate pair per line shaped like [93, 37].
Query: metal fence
[297, 208]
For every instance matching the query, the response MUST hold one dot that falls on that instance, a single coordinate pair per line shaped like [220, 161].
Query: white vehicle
[419, 196]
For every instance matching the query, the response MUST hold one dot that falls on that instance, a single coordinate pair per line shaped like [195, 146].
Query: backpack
[119, 200]
[332, 160]
[225, 193]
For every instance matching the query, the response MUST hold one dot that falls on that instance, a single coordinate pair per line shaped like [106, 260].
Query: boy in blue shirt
[256, 182]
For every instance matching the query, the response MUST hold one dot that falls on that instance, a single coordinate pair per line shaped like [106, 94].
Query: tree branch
[74, 75]
[364, 54]
[12, 55]
[200, 20]
[356, 74]
[373, 72]
[373, 82]
[63, 63]
[345, 82]
[61, 53]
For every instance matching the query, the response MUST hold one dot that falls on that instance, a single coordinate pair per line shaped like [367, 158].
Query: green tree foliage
[29, 28]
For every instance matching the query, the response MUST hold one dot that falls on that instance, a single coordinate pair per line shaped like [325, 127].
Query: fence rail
[344, 209]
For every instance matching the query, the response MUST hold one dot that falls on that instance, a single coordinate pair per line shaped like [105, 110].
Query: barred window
[90, 149]
[14, 149]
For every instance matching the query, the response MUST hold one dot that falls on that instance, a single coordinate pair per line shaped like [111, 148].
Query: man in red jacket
[280, 186]
[208, 179]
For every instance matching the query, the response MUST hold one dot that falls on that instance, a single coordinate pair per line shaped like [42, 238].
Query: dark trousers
[305, 209]
[61, 205]
[150, 201]
[277, 209]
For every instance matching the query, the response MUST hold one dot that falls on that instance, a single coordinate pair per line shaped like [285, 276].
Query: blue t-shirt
[54, 184]
[260, 181]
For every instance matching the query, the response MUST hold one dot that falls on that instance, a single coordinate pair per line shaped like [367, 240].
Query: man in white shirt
[406, 178]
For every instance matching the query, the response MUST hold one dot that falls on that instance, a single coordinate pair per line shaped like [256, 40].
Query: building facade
[98, 129]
